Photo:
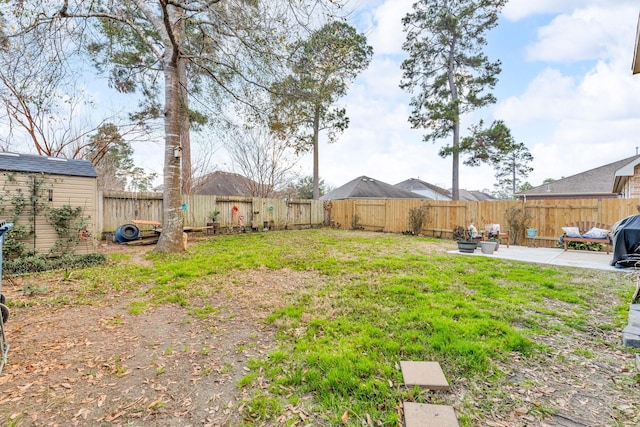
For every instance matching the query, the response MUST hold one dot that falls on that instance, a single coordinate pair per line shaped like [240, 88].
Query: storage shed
[52, 202]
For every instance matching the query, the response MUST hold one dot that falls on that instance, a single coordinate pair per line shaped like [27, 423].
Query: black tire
[5, 313]
[2, 299]
[129, 232]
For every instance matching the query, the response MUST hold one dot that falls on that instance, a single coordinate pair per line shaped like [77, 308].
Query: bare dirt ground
[99, 365]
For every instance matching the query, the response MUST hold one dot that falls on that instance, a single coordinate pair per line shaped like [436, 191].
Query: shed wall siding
[64, 190]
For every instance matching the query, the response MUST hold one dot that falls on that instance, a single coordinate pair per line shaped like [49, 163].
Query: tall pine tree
[447, 71]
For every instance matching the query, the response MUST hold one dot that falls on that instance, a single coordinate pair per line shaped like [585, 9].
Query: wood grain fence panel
[370, 214]
[389, 215]
[123, 207]
[118, 208]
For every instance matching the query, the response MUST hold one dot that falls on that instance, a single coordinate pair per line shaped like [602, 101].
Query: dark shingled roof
[475, 195]
[413, 184]
[43, 164]
[368, 188]
[594, 181]
[223, 184]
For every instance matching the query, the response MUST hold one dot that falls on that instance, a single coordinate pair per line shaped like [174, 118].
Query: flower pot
[487, 247]
[467, 247]
[531, 232]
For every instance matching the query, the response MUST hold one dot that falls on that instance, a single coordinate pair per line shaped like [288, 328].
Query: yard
[307, 328]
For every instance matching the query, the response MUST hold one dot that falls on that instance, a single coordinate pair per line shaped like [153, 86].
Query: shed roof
[43, 164]
[365, 187]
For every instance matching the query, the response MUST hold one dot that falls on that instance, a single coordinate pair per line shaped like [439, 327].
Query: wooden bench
[502, 235]
[583, 227]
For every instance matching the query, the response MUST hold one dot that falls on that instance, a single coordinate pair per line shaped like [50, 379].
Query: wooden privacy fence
[547, 216]
[118, 208]
[386, 215]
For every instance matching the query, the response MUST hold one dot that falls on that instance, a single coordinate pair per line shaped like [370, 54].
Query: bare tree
[39, 95]
[143, 45]
[44, 107]
[267, 161]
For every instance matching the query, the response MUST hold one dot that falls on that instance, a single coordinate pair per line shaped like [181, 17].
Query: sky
[566, 91]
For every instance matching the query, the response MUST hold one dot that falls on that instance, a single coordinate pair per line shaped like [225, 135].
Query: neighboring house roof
[43, 164]
[474, 196]
[598, 181]
[480, 196]
[424, 188]
[369, 188]
[223, 184]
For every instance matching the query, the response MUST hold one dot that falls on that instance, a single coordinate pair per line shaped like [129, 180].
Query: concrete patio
[552, 256]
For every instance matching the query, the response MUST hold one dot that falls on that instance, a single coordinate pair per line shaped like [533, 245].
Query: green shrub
[36, 263]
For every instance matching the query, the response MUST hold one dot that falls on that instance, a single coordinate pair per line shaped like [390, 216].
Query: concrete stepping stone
[425, 415]
[424, 374]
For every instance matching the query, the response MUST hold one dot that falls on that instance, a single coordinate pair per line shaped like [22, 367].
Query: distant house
[617, 179]
[475, 196]
[364, 187]
[224, 184]
[30, 185]
[425, 189]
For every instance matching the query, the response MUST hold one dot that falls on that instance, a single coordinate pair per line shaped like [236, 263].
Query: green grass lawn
[377, 299]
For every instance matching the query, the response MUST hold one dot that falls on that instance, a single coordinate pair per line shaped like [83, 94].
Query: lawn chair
[492, 231]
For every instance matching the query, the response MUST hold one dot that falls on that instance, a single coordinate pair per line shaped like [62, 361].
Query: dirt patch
[101, 365]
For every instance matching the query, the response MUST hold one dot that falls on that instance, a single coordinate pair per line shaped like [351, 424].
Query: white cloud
[579, 112]
[516, 10]
[545, 97]
[586, 34]
[387, 36]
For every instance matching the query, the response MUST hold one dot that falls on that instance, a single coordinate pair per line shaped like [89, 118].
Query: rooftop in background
[42, 164]
[223, 184]
[423, 188]
[600, 182]
[364, 187]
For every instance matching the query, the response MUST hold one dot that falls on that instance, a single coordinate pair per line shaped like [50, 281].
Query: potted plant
[488, 247]
[497, 241]
[465, 239]
[214, 224]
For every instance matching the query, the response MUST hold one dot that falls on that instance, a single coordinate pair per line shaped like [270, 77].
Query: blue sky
[566, 91]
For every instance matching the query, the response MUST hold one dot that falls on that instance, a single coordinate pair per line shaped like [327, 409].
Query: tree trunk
[455, 172]
[316, 169]
[455, 168]
[185, 123]
[171, 237]
[513, 175]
